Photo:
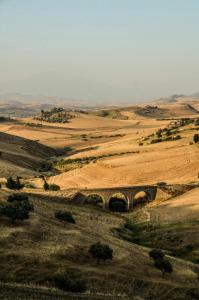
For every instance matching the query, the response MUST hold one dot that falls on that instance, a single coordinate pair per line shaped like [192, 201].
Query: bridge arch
[95, 199]
[141, 197]
[118, 202]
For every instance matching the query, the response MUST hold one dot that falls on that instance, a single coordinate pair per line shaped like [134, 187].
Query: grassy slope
[33, 251]
[20, 156]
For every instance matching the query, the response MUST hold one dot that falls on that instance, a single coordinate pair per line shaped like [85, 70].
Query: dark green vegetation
[112, 113]
[17, 208]
[101, 252]
[179, 240]
[65, 216]
[50, 187]
[70, 281]
[150, 111]
[14, 184]
[65, 165]
[196, 138]
[160, 262]
[55, 115]
[171, 133]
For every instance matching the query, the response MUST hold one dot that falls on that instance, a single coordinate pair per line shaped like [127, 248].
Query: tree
[156, 254]
[15, 211]
[196, 138]
[14, 184]
[164, 266]
[46, 186]
[101, 252]
[64, 216]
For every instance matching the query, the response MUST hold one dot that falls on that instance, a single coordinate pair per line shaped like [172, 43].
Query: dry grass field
[113, 150]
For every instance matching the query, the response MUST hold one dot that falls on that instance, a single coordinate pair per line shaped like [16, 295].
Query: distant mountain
[16, 99]
[172, 99]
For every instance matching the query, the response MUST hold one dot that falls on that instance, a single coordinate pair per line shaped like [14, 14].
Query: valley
[100, 148]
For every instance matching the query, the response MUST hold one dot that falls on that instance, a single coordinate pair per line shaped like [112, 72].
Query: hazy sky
[102, 50]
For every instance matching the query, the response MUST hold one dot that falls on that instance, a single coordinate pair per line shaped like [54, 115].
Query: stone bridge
[129, 194]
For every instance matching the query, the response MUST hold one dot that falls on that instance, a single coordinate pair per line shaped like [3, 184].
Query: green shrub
[29, 185]
[17, 197]
[158, 140]
[101, 252]
[156, 254]
[163, 265]
[54, 187]
[70, 282]
[129, 224]
[65, 216]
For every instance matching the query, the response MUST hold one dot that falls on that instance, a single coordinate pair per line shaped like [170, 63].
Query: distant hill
[20, 156]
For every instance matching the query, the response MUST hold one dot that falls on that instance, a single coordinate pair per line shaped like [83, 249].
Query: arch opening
[94, 199]
[118, 203]
[141, 198]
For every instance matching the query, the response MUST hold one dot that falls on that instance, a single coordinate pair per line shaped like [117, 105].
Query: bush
[196, 138]
[14, 184]
[65, 216]
[130, 225]
[17, 197]
[29, 185]
[156, 141]
[101, 252]
[70, 282]
[53, 187]
[163, 265]
[156, 254]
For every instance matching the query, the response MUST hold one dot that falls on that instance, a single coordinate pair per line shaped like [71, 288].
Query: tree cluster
[17, 207]
[160, 262]
[14, 184]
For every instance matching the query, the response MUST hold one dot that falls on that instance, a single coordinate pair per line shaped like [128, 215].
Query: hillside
[41, 246]
[103, 151]
[22, 156]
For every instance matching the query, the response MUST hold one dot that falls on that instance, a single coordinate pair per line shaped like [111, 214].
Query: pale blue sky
[101, 50]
